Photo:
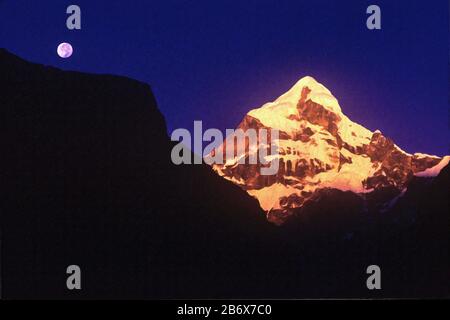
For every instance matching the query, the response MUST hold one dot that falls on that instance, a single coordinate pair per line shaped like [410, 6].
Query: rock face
[319, 148]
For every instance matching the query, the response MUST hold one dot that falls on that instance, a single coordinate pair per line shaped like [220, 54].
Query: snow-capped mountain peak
[316, 92]
[320, 147]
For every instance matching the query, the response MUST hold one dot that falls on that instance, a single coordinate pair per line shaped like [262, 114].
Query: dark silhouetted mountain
[87, 180]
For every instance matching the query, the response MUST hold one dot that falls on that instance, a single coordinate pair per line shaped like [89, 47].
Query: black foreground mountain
[87, 180]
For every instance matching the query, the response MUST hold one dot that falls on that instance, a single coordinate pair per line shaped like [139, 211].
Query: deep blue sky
[215, 60]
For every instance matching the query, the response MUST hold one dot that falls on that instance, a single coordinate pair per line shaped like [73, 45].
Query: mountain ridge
[89, 181]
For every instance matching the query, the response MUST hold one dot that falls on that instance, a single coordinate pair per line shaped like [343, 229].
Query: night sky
[215, 60]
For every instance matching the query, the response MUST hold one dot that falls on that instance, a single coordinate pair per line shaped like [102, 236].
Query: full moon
[65, 50]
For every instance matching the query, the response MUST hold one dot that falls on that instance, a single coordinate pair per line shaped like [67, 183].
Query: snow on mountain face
[319, 147]
[434, 171]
